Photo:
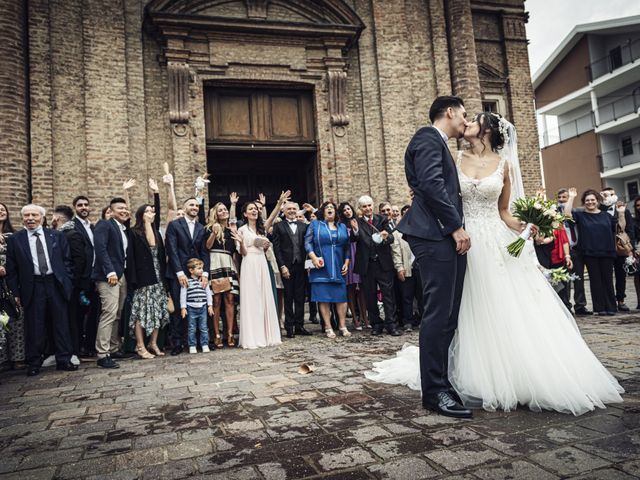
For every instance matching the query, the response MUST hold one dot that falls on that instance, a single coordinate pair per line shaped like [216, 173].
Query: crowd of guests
[599, 239]
[124, 284]
[75, 290]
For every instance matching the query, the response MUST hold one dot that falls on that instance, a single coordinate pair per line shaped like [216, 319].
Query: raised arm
[126, 186]
[233, 199]
[284, 196]
[153, 185]
[568, 207]
[172, 203]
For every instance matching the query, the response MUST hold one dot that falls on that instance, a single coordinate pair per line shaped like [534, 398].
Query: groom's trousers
[442, 273]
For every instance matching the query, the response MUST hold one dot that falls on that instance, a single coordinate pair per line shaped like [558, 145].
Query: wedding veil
[510, 153]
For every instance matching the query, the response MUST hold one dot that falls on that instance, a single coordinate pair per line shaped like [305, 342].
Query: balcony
[620, 115]
[620, 162]
[568, 130]
[618, 57]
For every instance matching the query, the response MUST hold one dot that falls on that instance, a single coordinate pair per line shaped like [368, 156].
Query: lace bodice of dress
[480, 197]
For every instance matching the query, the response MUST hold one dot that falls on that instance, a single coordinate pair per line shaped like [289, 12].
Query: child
[195, 301]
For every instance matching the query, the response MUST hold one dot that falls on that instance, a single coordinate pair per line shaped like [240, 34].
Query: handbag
[170, 306]
[221, 285]
[624, 247]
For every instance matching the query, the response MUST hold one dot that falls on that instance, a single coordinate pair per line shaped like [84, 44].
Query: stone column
[523, 114]
[462, 53]
[15, 184]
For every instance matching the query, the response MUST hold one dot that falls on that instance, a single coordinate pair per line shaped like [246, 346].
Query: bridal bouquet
[535, 211]
[4, 327]
[558, 276]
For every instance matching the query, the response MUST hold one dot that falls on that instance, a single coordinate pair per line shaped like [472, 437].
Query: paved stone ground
[237, 414]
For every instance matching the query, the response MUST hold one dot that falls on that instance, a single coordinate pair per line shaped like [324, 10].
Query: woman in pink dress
[258, 323]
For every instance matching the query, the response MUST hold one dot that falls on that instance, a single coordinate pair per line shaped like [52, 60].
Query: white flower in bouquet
[537, 206]
[4, 321]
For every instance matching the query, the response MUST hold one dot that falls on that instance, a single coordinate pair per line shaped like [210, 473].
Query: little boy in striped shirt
[195, 302]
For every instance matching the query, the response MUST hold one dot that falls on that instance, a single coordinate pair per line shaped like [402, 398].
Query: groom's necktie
[42, 258]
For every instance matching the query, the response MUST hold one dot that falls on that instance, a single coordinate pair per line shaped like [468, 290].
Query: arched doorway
[260, 139]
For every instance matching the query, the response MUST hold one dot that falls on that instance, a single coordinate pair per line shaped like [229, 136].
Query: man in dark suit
[609, 204]
[39, 275]
[87, 315]
[374, 264]
[185, 239]
[112, 247]
[433, 227]
[288, 247]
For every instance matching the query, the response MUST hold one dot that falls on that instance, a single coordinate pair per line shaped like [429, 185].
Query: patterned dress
[13, 349]
[221, 260]
[149, 304]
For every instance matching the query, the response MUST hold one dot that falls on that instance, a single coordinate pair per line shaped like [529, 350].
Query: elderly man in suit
[39, 275]
[185, 239]
[374, 264]
[288, 246]
[112, 248]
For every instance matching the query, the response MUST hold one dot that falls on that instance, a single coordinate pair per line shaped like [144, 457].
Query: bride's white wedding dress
[516, 342]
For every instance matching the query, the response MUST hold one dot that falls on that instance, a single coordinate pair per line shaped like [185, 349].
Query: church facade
[319, 96]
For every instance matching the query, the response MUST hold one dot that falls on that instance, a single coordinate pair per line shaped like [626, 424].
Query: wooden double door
[260, 140]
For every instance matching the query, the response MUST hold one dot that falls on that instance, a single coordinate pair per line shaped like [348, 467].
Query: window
[632, 189]
[490, 106]
[615, 57]
[627, 146]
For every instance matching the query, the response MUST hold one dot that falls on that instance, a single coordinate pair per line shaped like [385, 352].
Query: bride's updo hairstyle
[491, 121]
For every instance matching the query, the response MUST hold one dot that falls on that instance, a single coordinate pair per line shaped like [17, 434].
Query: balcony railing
[619, 108]
[619, 56]
[619, 158]
[568, 130]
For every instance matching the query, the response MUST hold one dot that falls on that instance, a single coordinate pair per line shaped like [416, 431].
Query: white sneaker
[50, 361]
[75, 360]
[205, 349]
[193, 350]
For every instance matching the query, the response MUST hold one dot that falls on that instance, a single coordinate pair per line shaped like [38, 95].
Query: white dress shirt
[444, 136]
[34, 251]
[293, 225]
[192, 226]
[125, 244]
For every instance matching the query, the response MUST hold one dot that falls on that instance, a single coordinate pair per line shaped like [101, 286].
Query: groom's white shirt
[444, 136]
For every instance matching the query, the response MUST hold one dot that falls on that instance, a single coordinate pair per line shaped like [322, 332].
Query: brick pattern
[99, 100]
[14, 164]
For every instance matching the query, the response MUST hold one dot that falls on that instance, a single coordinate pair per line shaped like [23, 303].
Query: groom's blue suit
[435, 213]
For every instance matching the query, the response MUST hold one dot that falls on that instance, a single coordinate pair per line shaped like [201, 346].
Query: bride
[516, 343]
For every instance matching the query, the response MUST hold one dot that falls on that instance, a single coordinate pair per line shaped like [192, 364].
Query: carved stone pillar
[178, 74]
[338, 97]
[15, 183]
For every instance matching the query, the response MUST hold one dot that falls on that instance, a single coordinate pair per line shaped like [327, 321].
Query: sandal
[144, 354]
[330, 333]
[345, 332]
[231, 342]
[156, 351]
[218, 342]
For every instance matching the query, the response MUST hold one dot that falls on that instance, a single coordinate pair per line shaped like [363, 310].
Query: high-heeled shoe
[344, 332]
[330, 333]
[231, 341]
[144, 354]
[155, 349]
[218, 342]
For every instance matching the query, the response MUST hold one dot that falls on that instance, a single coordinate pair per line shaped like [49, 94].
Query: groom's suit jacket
[431, 172]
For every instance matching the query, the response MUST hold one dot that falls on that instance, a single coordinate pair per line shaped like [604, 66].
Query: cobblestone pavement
[237, 414]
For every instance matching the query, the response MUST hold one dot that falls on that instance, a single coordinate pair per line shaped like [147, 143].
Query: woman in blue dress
[327, 245]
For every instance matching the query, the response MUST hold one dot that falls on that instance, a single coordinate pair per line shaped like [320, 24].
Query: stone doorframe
[197, 48]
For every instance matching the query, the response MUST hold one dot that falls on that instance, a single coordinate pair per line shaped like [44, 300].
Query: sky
[550, 21]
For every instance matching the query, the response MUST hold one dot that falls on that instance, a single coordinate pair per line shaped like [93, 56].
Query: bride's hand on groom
[463, 241]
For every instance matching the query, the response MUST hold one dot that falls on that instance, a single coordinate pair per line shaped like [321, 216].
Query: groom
[434, 228]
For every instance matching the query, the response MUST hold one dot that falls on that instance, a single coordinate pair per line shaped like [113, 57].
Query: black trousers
[47, 306]
[294, 293]
[601, 282]
[376, 278]
[442, 273]
[621, 277]
[579, 297]
[176, 325]
[411, 289]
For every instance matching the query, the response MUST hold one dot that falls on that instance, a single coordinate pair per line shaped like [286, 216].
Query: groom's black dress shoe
[67, 367]
[302, 331]
[444, 404]
[176, 351]
[376, 331]
[394, 332]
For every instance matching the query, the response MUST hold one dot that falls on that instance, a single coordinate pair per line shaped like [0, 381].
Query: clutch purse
[308, 264]
[170, 306]
[221, 285]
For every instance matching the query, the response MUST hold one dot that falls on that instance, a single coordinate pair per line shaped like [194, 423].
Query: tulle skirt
[516, 342]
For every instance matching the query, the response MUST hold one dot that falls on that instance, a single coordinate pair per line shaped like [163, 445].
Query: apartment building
[588, 104]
